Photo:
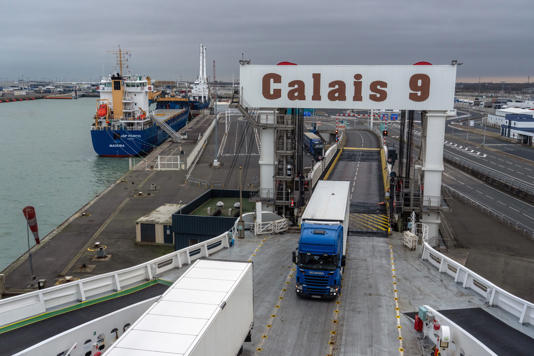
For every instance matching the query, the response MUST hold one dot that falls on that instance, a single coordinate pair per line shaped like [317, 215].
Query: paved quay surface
[110, 219]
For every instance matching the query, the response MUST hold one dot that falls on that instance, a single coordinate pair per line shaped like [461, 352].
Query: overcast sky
[72, 39]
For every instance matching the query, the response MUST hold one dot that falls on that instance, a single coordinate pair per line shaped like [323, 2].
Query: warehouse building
[519, 127]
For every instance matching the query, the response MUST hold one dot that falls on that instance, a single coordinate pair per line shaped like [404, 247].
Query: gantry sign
[399, 87]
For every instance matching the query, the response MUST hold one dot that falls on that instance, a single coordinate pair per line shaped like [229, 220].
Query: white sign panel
[402, 87]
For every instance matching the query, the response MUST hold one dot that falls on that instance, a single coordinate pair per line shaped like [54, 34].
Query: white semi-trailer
[207, 311]
[323, 240]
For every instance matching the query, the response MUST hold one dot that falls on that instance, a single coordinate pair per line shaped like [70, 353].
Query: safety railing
[431, 201]
[271, 227]
[485, 171]
[29, 304]
[492, 294]
[462, 339]
[168, 163]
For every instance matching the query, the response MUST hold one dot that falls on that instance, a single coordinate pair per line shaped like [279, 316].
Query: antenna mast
[122, 58]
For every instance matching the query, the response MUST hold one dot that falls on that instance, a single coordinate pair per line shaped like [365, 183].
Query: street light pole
[484, 135]
[241, 222]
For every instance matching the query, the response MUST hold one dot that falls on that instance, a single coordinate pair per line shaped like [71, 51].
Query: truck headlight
[334, 290]
[299, 287]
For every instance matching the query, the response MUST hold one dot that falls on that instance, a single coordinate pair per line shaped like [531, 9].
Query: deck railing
[40, 301]
[493, 295]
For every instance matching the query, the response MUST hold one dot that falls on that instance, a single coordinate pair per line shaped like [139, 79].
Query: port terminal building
[515, 123]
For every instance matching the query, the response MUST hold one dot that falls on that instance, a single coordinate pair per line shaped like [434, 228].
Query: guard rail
[484, 171]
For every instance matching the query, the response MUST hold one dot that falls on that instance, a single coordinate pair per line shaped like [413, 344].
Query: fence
[270, 227]
[168, 163]
[29, 304]
[492, 294]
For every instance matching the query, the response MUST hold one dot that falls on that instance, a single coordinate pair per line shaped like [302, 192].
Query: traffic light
[384, 133]
[292, 203]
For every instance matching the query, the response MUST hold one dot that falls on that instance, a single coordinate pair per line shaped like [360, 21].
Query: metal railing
[169, 130]
[169, 163]
[492, 294]
[271, 227]
[33, 303]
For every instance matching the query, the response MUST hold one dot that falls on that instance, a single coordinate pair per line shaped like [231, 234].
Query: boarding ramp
[159, 117]
[362, 166]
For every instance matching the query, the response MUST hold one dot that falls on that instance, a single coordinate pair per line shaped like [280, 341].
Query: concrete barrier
[199, 148]
[319, 167]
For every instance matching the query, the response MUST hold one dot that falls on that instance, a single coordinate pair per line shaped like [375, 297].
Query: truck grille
[316, 284]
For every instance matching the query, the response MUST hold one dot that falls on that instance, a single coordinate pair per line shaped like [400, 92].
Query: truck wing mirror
[294, 257]
[343, 261]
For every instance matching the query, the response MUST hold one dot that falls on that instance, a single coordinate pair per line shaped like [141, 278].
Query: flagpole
[29, 251]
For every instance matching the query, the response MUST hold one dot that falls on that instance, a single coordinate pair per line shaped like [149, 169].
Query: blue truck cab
[319, 260]
[321, 251]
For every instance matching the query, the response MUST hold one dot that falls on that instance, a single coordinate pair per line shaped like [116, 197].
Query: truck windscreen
[324, 262]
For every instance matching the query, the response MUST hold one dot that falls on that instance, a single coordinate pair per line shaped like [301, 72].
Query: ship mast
[122, 58]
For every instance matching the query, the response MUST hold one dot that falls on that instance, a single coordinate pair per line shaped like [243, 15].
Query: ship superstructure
[129, 120]
[200, 90]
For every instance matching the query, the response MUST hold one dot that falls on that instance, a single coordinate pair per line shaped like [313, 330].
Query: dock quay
[67, 252]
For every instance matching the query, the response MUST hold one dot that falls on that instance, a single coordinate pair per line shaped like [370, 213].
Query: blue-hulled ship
[131, 119]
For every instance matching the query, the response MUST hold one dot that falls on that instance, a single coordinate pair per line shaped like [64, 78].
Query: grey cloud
[70, 39]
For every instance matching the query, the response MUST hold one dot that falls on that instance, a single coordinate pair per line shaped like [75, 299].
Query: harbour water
[47, 160]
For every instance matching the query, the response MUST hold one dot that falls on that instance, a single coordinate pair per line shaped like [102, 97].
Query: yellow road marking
[362, 148]
[333, 164]
[396, 299]
[276, 309]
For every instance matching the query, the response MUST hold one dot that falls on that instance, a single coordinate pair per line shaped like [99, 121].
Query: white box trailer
[207, 311]
[330, 204]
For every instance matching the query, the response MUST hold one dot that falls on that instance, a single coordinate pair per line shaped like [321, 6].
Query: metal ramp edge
[369, 224]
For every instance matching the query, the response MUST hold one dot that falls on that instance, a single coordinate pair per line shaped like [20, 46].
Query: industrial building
[515, 123]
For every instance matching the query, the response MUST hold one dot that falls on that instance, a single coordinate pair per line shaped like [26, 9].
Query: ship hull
[199, 105]
[127, 143]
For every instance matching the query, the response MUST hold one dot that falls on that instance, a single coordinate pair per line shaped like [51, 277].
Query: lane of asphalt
[279, 311]
[515, 171]
[500, 143]
[506, 205]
